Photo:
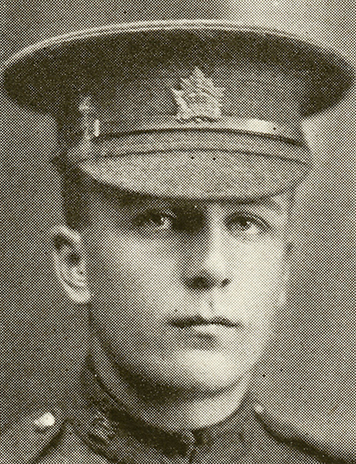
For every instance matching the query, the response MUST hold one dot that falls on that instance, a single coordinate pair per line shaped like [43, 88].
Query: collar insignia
[198, 99]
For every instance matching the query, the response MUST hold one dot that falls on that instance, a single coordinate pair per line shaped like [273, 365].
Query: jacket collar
[105, 425]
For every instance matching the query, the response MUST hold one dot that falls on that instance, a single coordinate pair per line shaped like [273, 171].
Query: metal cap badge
[198, 99]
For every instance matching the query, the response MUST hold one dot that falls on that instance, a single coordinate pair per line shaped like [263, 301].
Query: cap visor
[198, 174]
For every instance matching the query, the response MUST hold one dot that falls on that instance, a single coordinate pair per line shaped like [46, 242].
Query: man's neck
[176, 411]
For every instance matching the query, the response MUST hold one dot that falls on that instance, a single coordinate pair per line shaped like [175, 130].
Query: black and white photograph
[178, 232]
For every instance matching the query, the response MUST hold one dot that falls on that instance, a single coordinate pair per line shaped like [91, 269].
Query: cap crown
[232, 95]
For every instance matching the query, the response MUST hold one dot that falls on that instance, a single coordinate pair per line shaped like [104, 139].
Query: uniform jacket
[98, 430]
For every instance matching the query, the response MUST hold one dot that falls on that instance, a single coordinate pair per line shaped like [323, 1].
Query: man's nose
[208, 261]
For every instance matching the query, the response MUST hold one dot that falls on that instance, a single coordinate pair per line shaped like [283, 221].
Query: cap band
[170, 143]
[94, 128]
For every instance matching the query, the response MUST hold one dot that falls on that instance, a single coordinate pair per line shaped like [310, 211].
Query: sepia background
[310, 366]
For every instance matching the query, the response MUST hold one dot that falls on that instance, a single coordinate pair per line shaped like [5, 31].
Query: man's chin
[196, 375]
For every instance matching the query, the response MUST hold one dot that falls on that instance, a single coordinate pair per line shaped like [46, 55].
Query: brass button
[44, 422]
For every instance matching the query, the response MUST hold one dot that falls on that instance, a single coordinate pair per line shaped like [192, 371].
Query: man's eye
[155, 220]
[242, 225]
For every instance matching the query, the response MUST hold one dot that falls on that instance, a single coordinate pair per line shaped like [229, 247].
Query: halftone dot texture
[310, 366]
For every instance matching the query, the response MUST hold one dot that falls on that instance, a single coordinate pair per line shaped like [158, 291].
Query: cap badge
[198, 99]
[90, 124]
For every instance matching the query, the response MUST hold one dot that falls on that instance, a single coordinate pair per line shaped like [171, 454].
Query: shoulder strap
[24, 441]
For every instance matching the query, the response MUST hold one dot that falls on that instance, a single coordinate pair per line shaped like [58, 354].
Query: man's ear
[69, 263]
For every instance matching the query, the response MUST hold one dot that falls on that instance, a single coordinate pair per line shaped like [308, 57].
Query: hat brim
[195, 173]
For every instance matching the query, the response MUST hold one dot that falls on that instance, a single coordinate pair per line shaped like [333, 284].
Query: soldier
[180, 150]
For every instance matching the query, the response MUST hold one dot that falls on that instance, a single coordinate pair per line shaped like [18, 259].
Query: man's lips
[192, 321]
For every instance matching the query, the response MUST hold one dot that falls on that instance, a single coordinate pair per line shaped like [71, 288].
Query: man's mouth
[194, 321]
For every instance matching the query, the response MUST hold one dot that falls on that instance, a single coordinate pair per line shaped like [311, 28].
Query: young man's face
[183, 293]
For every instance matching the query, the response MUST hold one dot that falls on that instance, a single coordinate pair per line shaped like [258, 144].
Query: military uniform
[96, 429]
[205, 109]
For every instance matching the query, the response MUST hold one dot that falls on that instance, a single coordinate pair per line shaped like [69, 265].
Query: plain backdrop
[310, 365]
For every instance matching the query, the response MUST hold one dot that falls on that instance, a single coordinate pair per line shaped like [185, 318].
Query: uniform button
[44, 422]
